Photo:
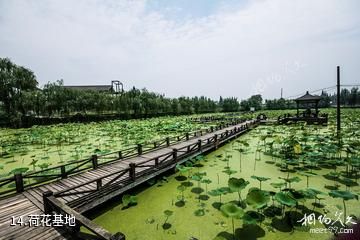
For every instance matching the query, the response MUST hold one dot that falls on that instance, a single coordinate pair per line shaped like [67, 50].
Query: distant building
[115, 87]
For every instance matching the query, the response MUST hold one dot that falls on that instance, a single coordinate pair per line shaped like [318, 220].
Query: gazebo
[309, 101]
[306, 102]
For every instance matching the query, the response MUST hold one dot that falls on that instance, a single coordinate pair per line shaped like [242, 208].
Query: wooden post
[120, 155]
[63, 172]
[227, 133]
[155, 145]
[19, 183]
[47, 206]
[156, 162]
[175, 154]
[211, 129]
[187, 136]
[338, 119]
[98, 184]
[216, 141]
[139, 149]
[132, 172]
[94, 159]
[199, 145]
[167, 141]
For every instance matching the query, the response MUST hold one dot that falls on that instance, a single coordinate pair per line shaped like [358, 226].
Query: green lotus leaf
[291, 180]
[182, 168]
[248, 219]
[285, 199]
[260, 178]
[19, 170]
[334, 174]
[278, 185]
[314, 191]
[348, 181]
[199, 212]
[308, 174]
[215, 192]
[231, 210]
[128, 199]
[346, 195]
[206, 181]
[181, 188]
[196, 177]
[229, 171]
[224, 190]
[257, 198]
[237, 184]
[168, 213]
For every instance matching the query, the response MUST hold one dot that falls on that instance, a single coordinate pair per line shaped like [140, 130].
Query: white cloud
[236, 52]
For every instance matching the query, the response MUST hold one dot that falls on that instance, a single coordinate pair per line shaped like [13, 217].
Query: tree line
[20, 96]
[348, 97]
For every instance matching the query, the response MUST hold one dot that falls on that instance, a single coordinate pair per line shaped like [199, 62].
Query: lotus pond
[39, 147]
[259, 186]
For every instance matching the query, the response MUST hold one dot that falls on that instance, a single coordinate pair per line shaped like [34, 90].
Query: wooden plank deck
[31, 200]
[20, 206]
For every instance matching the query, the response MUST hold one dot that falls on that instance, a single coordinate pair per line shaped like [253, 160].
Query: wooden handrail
[91, 181]
[168, 158]
[124, 153]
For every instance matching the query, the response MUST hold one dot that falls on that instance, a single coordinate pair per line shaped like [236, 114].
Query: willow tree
[14, 80]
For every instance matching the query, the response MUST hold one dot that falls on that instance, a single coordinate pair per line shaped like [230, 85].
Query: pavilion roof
[308, 98]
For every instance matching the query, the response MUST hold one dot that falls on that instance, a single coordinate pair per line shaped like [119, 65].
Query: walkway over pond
[93, 181]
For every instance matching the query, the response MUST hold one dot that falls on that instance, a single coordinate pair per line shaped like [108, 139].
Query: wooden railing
[30, 179]
[208, 119]
[117, 182]
[310, 119]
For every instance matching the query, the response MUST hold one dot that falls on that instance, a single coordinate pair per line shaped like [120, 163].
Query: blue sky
[181, 10]
[191, 48]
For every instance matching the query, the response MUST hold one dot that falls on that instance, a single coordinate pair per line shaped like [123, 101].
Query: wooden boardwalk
[83, 191]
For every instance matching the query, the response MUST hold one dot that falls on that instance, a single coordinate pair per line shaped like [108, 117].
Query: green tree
[14, 80]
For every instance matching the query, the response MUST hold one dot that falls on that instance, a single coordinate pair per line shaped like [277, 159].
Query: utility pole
[281, 93]
[338, 123]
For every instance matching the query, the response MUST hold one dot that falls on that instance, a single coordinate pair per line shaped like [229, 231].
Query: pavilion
[308, 101]
[311, 114]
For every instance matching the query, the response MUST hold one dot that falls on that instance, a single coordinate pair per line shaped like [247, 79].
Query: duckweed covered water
[202, 219]
[41, 147]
